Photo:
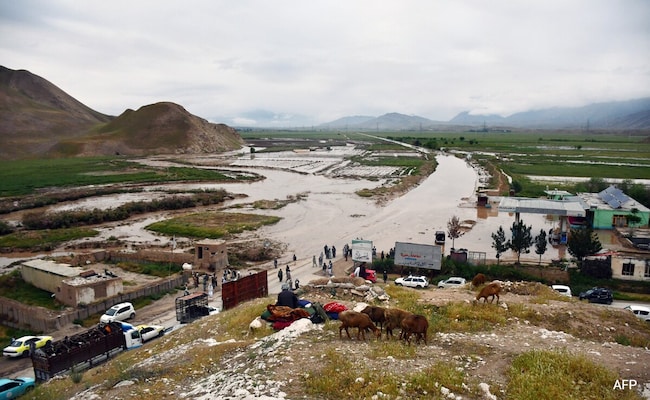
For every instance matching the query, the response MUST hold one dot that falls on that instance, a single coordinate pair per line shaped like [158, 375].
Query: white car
[562, 289]
[148, 332]
[119, 312]
[413, 281]
[641, 312]
[454, 281]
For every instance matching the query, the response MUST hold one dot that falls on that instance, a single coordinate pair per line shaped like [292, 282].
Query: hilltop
[471, 353]
[161, 128]
[38, 119]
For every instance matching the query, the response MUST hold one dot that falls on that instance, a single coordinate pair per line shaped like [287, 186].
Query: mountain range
[38, 119]
[616, 116]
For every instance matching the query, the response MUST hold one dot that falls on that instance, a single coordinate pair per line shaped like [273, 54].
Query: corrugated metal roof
[542, 206]
[54, 268]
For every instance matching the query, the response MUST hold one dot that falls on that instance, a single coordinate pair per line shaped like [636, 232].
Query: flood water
[333, 214]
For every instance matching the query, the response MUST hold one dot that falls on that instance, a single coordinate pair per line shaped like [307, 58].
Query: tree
[499, 242]
[583, 242]
[540, 244]
[521, 238]
[633, 219]
[453, 230]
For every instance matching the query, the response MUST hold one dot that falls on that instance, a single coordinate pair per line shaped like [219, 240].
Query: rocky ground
[275, 366]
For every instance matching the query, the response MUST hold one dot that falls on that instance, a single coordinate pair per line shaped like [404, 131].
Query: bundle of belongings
[333, 309]
[282, 316]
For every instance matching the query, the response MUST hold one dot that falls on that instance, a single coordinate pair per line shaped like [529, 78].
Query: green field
[26, 176]
[589, 155]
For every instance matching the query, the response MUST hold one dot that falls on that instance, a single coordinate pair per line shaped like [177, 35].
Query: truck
[84, 350]
[191, 307]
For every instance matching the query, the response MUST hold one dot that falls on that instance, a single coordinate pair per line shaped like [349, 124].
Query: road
[163, 312]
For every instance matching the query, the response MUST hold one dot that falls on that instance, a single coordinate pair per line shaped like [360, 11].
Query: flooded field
[332, 212]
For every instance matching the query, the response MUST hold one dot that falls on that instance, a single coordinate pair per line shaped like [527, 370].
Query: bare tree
[453, 230]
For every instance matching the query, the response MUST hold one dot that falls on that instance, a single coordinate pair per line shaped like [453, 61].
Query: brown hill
[35, 114]
[39, 119]
[162, 128]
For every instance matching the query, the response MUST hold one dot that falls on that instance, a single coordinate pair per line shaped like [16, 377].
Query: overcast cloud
[316, 61]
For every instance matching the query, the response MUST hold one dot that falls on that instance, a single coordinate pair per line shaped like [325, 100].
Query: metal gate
[246, 288]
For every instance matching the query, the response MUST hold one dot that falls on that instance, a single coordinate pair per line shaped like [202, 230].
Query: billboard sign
[418, 255]
[362, 250]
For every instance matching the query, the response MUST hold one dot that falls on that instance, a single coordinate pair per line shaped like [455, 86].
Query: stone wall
[39, 319]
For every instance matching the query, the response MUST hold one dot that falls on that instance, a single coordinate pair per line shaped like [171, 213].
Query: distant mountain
[620, 115]
[353, 121]
[390, 121]
[623, 115]
[39, 119]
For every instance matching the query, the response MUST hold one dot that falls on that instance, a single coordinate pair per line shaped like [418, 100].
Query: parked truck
[191, 307]
[84, 350]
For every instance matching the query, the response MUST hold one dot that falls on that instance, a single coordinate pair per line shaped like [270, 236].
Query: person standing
[275, 263]
[385, 275]
[313, 261]
[280, 275]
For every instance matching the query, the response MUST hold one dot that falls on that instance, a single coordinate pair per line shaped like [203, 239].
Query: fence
[245, 288]
[39, 319]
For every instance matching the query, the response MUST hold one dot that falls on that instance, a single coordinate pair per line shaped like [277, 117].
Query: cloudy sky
[309, 62]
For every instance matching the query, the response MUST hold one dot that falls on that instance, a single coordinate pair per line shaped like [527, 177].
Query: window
[646, 274]
[619, 221]
[628, 269]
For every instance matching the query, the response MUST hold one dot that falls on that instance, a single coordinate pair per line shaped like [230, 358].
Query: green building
[612, 208]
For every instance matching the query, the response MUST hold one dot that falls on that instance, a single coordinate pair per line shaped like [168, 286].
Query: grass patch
[46, 239]
[21, 177]
[12, 286]
[212, 225]
[161, 270]
[539, 375]
[339, 377]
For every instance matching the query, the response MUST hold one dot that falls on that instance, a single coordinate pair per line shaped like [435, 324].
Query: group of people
[230, 275]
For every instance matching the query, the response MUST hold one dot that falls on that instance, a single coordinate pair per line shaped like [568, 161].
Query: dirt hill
[39, 119]
[162, 128]
[35, 114]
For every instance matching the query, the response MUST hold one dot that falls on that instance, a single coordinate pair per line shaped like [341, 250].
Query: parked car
[213, 310]
[148, 332]
[641, 312]
[413, 281]
[598, 295]
[20, 347]
[10, 388]
[371, 275]
[562, 289]
[119, 312]
[454, 281]
[440, 237]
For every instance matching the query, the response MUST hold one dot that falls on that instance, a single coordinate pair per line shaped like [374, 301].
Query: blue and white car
[10, 388]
